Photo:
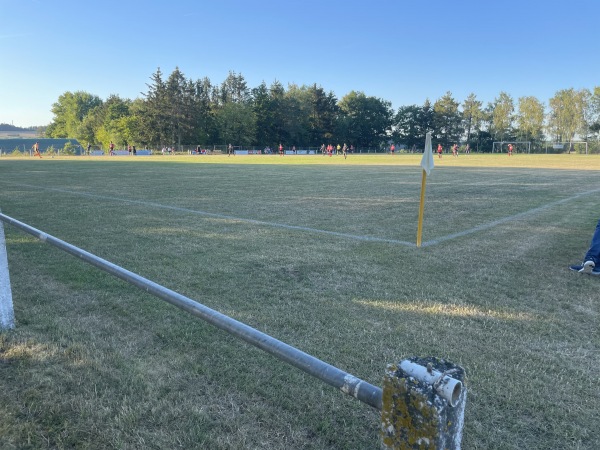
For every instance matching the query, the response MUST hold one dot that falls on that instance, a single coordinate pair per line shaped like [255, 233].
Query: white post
[423, 407]
[7, 315]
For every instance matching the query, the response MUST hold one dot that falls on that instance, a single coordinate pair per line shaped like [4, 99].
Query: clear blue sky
[401, 51]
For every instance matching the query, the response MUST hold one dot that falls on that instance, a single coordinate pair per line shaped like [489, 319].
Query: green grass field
[319, 253]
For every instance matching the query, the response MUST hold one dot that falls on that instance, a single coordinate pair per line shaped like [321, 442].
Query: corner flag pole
[421, 208]
[427, 165]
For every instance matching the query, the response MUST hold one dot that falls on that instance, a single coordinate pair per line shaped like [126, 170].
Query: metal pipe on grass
[347, 383]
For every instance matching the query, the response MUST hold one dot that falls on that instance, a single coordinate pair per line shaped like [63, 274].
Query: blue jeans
[594, 252]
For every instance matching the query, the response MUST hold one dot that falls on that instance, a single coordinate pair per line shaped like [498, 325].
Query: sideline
[429, 243]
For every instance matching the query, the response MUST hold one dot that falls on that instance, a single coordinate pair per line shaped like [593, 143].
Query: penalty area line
[429, 243]
[225, 216]
[514, 217]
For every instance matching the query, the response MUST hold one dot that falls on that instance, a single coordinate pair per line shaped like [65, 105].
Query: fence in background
[437, 401]
[267, 150]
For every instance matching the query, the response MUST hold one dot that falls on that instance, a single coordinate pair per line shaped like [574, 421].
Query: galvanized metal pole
[347, 383]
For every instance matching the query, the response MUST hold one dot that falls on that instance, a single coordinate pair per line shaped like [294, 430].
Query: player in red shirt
[510, 149]
[36, 149]
[439, 150]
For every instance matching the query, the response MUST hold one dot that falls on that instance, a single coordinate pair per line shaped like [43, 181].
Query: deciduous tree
[502, 116]
[365, 121]
[595, 107]
[530, 118]
[69, 112]
[566, 114]
[472, 115]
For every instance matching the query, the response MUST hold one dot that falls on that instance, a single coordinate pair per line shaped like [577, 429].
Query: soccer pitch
[320, 253]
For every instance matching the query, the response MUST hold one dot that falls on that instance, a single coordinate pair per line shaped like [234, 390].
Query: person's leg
[591, 261]
[593, 254]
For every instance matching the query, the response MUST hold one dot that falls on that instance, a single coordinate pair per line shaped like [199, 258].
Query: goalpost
[518, 146]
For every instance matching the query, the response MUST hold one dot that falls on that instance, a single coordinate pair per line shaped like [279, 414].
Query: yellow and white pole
[421, 208]
[427, 165]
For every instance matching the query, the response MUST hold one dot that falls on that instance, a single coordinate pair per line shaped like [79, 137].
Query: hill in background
[8, 131]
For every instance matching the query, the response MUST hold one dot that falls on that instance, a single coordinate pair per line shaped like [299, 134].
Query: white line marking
[518, 216]
[224, 216]
[429, 243]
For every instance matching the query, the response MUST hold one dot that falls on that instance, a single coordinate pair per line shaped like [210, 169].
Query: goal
[518, 146]
[570, 147]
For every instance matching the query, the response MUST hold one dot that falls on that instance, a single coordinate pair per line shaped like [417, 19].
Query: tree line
[176, 111]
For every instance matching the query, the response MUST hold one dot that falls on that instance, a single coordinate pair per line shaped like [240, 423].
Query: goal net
[518, 146]
[569, 147]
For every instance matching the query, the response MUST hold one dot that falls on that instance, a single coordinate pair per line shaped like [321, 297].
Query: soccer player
[591, 261]
[439, 150]
[36, 149]
[280, 149]
[510, 149]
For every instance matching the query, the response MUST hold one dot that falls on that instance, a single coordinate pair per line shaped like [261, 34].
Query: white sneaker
[588, 267]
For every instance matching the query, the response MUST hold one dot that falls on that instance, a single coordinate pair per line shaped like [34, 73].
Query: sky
[404, 52]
